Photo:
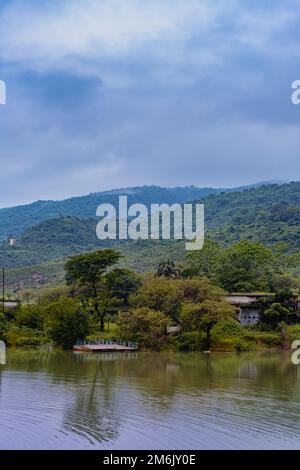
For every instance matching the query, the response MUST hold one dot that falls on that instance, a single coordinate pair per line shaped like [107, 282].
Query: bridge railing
[127, 344]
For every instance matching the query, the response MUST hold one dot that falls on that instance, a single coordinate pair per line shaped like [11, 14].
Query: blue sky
[112, 93]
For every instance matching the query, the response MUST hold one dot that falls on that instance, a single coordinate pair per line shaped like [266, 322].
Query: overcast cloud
[110, 93]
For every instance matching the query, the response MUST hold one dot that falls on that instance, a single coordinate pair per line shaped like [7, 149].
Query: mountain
[14, 220]
[269, 213]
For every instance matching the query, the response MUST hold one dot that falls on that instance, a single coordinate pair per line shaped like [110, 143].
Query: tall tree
[246, 266]
[205, 315]
[87, 271]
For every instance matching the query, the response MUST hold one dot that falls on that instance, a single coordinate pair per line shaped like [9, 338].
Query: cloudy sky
[114, 93]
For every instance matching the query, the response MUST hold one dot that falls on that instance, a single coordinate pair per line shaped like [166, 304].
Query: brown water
[149, 401]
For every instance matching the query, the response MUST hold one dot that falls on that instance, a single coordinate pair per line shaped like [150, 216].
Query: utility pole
[3, 290]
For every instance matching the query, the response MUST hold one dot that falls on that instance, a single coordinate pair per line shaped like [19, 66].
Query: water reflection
[149, 400]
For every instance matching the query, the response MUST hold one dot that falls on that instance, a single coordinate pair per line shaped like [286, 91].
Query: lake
[149, 401]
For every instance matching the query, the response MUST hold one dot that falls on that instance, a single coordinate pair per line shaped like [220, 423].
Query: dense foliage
[46, 238]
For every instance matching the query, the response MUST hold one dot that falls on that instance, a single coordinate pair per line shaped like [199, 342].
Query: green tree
[3, 327]
[160, 294]
[203, 262]
[30, 316]
[167, 295]
[276, 313]
[205, 315]
[66, 322]
[55, 293]
[246, 266]
[123, 283]
[27, 295]
[199, 289]
[86, 273]
[146, 326]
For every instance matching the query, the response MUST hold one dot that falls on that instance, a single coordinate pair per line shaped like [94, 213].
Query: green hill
[269, 214]
[14, 220]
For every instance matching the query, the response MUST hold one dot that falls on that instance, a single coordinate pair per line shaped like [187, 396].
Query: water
[149, 401]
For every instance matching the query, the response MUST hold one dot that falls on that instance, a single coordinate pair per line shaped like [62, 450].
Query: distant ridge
[14, 220]
[269, 214]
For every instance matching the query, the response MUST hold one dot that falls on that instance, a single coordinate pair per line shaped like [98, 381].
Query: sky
[116, 93]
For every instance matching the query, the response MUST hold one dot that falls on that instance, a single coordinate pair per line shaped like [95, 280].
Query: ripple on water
[112, 409]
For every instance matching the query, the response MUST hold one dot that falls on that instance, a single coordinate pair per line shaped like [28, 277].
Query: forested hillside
[270, 214]
[15, 220]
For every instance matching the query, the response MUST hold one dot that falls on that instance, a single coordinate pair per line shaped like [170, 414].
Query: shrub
[190, 341]
[145, 326]
[229, 327]
[30, 317]
[66, 322]
[293, 332]
[3, 327]
[22, 336]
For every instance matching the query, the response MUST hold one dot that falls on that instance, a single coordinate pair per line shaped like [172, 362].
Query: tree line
[143, 308]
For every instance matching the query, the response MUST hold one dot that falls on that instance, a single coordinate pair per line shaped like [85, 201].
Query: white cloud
[224, 124]
[92, 28]
[176, 41]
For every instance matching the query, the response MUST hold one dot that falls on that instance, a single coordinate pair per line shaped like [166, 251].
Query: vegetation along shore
[195, 306]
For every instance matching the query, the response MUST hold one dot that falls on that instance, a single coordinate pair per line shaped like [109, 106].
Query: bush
[235, 344]
[293, 332]
[66, 322]
[145, 326]
[30, 317]
[190, 341]
[22, 336]
[229, 327]
[262, 339]
[3, 327]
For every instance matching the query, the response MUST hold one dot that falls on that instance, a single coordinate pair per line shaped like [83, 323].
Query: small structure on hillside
[247, 305]
[12, 241]
[171, 330]
[10, 303]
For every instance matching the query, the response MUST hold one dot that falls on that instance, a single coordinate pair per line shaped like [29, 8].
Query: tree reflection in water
[99, 399]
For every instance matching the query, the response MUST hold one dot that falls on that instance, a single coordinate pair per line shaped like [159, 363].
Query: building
[247, 306]
[10, 303]
[12, 241]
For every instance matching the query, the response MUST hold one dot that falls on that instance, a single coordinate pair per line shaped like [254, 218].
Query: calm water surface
[149, 401]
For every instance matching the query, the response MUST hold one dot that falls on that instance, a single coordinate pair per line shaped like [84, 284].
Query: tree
[27, 295]
[199, 289]
[55, 293]
[166, 295]
[66, 322]
[246, 266]
[123, 283]
[285, 281]
[87, 271]
[276, 313]
[169, 269]
[30, 316]
[160, 294]
[205, 315]
[145, 326]
[203, 262]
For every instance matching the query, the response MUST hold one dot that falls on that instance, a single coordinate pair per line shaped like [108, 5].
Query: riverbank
[225, 337]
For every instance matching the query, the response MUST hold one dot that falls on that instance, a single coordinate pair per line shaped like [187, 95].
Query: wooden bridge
[102, 345]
